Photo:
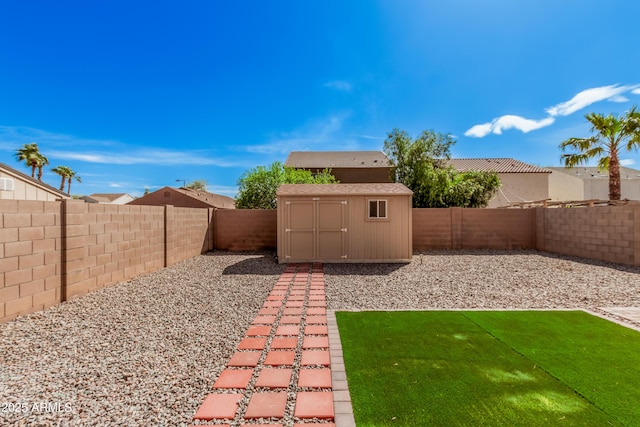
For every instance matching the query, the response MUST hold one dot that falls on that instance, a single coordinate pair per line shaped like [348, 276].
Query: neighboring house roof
[213, 199]
[24, 177]
[373, 189]
[498, 165]
[107, 197]
[184, 197]
[592, 172]
[337, 159]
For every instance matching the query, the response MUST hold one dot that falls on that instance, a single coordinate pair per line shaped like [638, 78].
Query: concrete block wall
[188, 233]
[245, 229]
[30, 256]
[107, 244]
[498, 228]
[54, 251]
[431, 229]
[601, 233]
[458, 228]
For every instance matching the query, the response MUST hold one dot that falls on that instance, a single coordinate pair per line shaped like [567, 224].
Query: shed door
[300, 229]
[332, 230]
[316, 230]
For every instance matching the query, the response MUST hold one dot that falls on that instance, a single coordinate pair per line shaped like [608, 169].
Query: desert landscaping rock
[143, 352]
[482, 279]
[148, 351]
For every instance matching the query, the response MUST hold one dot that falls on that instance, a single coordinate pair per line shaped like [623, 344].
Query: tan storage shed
[344, 223]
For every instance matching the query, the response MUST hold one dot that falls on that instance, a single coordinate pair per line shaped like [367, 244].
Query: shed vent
[6, 184]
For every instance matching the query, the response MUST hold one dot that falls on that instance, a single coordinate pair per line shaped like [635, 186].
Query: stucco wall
[25, 191]
[520, 187]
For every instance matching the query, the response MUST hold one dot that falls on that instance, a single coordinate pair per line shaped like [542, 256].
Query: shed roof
[337, 159]
[373, 189]
[498, 165]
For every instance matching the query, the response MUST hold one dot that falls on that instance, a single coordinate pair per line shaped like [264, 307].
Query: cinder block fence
[54, 251]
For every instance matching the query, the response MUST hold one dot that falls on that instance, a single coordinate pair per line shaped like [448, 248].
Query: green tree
[611, 134]
[421, 165]
[67, 174]
[30, 154]
[258, 186]
[198, 185]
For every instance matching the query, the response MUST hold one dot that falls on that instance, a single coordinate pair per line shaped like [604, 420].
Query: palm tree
[67, 174]
[610, 135]
[42, 162]
[63, 171]
[30, 154]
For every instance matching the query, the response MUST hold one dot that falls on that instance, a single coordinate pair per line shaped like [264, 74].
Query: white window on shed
[377, 209]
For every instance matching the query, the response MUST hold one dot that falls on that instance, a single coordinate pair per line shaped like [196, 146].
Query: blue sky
[135, 95]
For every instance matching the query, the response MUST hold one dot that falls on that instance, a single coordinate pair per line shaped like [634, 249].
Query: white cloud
[149, 156]
[618, 98]
[612, 93]
[588, 97]
[69, 147]
[340, 85]
[508, 122]
[627, 162]
[324, 134]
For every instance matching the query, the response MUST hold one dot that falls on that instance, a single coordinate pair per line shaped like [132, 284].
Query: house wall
[565, 187]
[362, 175]
[359, 175]
[23, 190]
[520, 187]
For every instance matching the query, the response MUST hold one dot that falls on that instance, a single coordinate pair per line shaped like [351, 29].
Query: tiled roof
[212, 199]
[337, 159]
[499, 165]
[373, 189]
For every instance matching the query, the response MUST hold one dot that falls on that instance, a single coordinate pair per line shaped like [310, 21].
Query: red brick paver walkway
[281, 371]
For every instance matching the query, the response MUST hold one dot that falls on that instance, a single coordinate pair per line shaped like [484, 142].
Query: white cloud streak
[324, 134]
[588, 97]
[68, 147]
[612, 93]
[340, 85]
[627, 162]
[508, 122]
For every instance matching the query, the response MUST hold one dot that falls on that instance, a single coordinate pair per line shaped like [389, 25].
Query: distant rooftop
[337, 159]
[592, 172]
[106, 197]
[498, 165]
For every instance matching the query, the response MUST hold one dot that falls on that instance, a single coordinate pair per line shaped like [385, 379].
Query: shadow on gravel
[362, 269]
[255, 263]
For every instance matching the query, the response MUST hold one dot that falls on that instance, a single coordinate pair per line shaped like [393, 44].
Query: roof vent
[6, 184]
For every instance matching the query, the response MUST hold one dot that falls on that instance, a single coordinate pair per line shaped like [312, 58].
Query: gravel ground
[482, 279]
[142, 352]
[147, 351]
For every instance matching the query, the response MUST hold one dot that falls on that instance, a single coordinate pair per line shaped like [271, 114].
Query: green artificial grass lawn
[511, 368]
